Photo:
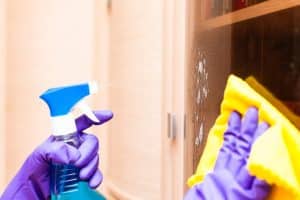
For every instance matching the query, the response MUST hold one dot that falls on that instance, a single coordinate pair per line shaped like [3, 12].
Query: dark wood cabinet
[256, 38]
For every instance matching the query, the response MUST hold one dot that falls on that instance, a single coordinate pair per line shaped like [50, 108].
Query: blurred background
[161, 65]
[45, 44]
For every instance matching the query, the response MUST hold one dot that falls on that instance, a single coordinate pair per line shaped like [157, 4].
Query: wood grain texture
[257, 10]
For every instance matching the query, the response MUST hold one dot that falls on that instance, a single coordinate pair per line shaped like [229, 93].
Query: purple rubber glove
[230, 179]
[32, 181]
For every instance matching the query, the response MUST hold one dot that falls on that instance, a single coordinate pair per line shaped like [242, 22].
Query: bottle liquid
[65, 182]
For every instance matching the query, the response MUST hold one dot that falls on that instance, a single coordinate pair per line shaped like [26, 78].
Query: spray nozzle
[62, 100]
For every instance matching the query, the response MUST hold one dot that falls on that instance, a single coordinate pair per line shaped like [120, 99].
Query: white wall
[101, 74]
[2, 93]
[50, 43]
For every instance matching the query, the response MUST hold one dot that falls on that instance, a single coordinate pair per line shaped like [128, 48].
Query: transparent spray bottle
[65, 182]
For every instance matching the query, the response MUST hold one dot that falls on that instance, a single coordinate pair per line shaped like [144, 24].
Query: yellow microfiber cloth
[275, 156]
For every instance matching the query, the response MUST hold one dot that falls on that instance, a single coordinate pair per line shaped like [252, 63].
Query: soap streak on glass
[200, 93]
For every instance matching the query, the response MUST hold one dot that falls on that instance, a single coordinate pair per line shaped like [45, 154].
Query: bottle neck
[63, 125]
[72, 139]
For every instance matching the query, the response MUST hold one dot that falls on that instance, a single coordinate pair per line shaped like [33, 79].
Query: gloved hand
[32, 181]
[230, 179]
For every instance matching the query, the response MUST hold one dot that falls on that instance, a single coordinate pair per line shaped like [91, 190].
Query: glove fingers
[89, 169]
[222, 160]
[61, 153]
[83, 122]
[230, 136]
[88, 150]
[235, 164]
[244, 178]
[96, 179]
[248, 129]
[232, 132]
[261, 188]
[50, 139]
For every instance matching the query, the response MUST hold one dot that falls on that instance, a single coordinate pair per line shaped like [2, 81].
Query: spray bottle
[65, 182]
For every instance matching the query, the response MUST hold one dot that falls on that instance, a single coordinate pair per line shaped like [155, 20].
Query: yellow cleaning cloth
[275, 156]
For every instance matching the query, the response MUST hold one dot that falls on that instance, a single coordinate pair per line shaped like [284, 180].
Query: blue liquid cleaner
[65, 182]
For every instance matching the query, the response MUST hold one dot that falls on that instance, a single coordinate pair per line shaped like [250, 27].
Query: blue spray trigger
[61, 100]
[65, 183]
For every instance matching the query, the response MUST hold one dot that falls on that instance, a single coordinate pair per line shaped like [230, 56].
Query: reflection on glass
[269, 48]
[199, 95]
[266, 47]
[215, 8]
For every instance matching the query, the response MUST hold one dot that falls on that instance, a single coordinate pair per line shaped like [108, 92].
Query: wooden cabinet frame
[176, 152]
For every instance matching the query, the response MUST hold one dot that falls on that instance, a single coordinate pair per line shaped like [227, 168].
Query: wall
[2, 93]
[101, 74]
[135, 97]
[49, 43]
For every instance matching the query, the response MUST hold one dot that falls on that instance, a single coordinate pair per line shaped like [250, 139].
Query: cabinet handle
[184, 126]
[171, 126]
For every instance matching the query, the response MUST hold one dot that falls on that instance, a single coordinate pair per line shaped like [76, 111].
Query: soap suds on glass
[201, 92]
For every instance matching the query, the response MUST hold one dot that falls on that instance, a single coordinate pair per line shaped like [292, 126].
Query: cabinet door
[174, 141]
[245, 38]
[135, 74]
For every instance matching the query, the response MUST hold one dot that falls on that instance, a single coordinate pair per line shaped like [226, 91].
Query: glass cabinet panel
[213, 8]
[251, 38]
